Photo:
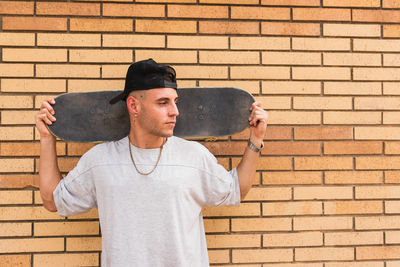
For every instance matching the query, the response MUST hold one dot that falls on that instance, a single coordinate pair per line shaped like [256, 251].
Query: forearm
[49, 173]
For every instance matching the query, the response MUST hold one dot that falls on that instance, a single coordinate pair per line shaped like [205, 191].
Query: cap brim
[117, 98]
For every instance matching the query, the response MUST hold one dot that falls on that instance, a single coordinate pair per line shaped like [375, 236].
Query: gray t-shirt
[149, 220]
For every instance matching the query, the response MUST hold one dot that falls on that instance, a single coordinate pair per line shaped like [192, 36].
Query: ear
[133, 105]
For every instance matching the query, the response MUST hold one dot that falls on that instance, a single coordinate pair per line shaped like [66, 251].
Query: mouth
[171, 123]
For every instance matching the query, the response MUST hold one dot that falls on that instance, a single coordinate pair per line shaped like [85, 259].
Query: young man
[150, 186]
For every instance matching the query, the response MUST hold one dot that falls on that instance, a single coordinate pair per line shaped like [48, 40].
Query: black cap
[147, 74]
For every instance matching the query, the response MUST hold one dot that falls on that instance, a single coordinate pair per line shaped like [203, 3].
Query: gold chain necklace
[133, 161]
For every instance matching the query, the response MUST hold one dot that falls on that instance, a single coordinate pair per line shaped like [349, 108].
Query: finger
[48, 114]
[48, 106]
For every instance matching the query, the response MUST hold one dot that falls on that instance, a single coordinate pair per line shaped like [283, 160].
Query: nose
[174, 110]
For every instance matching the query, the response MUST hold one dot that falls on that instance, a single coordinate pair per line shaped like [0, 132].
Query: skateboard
[203, 113]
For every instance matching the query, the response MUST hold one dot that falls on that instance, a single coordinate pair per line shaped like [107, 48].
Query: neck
[146, 142]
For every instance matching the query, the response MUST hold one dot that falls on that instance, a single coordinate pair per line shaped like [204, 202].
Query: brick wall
[327, 190]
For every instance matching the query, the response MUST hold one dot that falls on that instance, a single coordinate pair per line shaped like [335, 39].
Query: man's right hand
[45, 116]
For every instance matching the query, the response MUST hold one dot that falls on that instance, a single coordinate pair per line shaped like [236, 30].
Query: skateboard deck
[203, 113]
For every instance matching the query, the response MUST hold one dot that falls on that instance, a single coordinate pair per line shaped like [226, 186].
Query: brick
[12, 117]
[292, 208]
[15, 101]
[133, 40]
[322, 223]
[323, 133]
[100, 25]
[351, 117]
[391, 31]
[225, 148]
[321, 44]
[33, 85]
[274, 102]
[16, 133]
[379, 252]
[392, 237]
[376, 45]
[353, 177]
[228, 27]
[352, 59]
[324, 254]
[223, 57]
[261, 255]
[195, 11]
[352, 88]
[133, 10]
[380, 133]
[289, 178]
[216, 225]
[260, 72]
[390, 4]
[78, 149]
[352, 30]
[392, 148]
[392, 263]
[321, 103]
[16, 70]
[167, 56]
[353, 207]
[293, 239]
[290, 28]
[353, 238]
[197, 42]
[291, 148]
[291, 87]
[16, 165]
[166, 26]
[157, 1]
[245, 209]
[290, 58]
[202, 72]
[83, 244]
[290, 2]
[294, 117]
[233, 2]
[392, 207]
[261, 224]
[260, 43]
[31, 245]
[19, 181]
[377, 192]
[67, 260]
[321, 73]
[291, 265]
[382, 16]
[15, 260]
[219, 256]
[66, 228]
[323, 163]
[352, 3]
[69, 39]
[17, 39]
[270, 163]
[377, 162]
[392, 177]
[355, 264]
[34, 24]
[322, 192]
[16, 8]
[92, 214]
[375, 103]
[276, 193]
[321, 14]
[15, 197]
[34, 55]
[94, 55]
[343, 148]
[82, 85]
[391, 60]
[67, 71]
[233, 241]
[253, 87]
[272, 133]
[260, 13]
[15, 229]
[68, 9]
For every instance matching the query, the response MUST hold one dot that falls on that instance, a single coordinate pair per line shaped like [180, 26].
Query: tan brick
[167, 56]
[260, 72]
[377, 162]
[195, 11]
[351, 117]
[67, 260]
[16, 8]
[19, 181]
[202, 72]
[16, 70]
[291, 58]
[321, 103]
[391, 117]
[379, 252]
[16, 165]
[377, 192]
[352, 88]
[225, 148]
[391, 31]
[157, 1]
[114, 71]
[69, 39]
[33, 85]
[392, 177]
[216, 225]
[286, 178]
[352, 3]
[16, 133]
[290, 2]
[260, 13]
[293, 239]
[15, 101]
[11, 117]
[228, 27]
[353, 238]
[133, 10]
[100, 25]
[276, 193]
[253, 87]
[376, 45]
[291, 264]
[233, 2]
[15, 197]
[386, 16]
[31, 245]
[390, 4]
[261, 224]
[324, 254]
[291, 87]
[245, 209]
[321, 44]
[321, 14]
[391, 60]
[233, 241]
[323, 163]
[392, 207]
[219, 256]
[78, 149]
[133, 40]
[15, 229]
[376, 74]
[290, 28]
[322, 192]
[261, 255]
[108, 56]
[353, 177]
[17, 39]
[323, 133]
[392, 263]
[83, 244]
[392, 237]
[392, 148]
[222, 57]
[321, 73]
[352, 59]
[34, 24]
[294, 117]
[322, 223]
[291, 208]
[165, 26]
[15, 260]
[352, 207]
[376, 103]
[270, 163]
[69, 9]
[291, 148]
[82, 85]
[338, 148]
[355, 264]
[272, 133]
[353, 30]
[260, 43]
[92, 214]
[274, 102]
[67, 71]
[66, 228]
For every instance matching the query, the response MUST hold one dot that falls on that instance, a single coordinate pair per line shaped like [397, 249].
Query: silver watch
[254, 148]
